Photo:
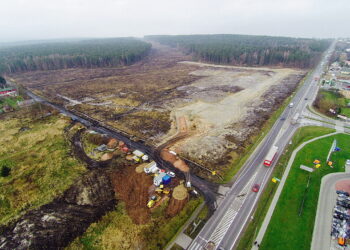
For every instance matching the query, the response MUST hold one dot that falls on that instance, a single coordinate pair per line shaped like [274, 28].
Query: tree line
[71, 54]
[249, 50]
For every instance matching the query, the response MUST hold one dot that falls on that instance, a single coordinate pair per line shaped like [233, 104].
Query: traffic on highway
[227, 223]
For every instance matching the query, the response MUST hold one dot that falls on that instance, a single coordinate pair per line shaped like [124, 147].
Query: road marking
[227, 219]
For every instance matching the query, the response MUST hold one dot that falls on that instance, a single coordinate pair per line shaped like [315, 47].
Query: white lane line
[267, 173]
[227, 219]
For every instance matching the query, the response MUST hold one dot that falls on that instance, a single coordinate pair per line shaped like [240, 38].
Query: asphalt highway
[233, 213]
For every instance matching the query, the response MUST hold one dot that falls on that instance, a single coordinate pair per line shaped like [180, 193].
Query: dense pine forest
[248, 50]
[71, 54]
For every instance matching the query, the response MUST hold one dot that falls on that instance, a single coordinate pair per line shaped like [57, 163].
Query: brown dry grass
[41, 166]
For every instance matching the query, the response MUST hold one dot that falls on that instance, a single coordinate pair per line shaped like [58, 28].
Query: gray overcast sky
[46, 19]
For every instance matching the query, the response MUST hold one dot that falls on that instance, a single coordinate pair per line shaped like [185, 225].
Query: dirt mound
[112, 143]
[132, 188]
[180, 192]
[177, 201]
[107, 156]
[55, 225]
[173, 159]
[180, 164]
[167, 156]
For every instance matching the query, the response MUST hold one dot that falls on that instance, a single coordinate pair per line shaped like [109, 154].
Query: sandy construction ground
[223, 121]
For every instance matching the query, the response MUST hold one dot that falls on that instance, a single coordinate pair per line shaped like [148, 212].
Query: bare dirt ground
[219, 108]
[221, 122]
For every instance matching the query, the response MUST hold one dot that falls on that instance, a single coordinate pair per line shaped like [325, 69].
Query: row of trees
[249, 50]
[71, 54]
[2, 82]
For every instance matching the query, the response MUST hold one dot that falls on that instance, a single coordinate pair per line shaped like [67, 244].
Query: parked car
[256, 188]
[342, 192]
[343, 204]
[171, 174]
[343, 196]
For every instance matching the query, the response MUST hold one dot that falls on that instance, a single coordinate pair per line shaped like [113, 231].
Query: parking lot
[332, 220]
[340, 231]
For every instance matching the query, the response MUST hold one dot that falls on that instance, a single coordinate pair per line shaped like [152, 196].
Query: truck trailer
[270, 156]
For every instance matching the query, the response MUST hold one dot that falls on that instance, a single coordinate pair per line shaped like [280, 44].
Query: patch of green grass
[10, 101]
[40, 162]
[327, 99]
[346, 111]
[303, 134]
[117, 231]
[296, 232]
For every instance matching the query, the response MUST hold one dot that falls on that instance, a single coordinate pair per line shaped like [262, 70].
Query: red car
[255, 188]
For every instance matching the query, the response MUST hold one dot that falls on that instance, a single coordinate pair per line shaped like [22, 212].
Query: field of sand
[221, 121]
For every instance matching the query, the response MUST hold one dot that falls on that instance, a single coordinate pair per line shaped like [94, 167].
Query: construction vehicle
[151, 203]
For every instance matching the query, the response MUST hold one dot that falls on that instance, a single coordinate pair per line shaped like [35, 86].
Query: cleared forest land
[224, 107]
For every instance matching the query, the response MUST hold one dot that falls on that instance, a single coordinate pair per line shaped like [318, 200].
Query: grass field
[117, 231]
[291, 225]
[331, 99]
[10, 101]
[40, 163]
[303, 134]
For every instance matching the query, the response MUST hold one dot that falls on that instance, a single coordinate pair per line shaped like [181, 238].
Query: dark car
[256, 188]
[305, 98]
[343, 204]
[342, 192]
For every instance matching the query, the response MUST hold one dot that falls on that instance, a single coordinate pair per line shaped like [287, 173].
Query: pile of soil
[173, 159]
[112, 143]
[178, 200]
[55, 225]
[107, 156]
[132, 188]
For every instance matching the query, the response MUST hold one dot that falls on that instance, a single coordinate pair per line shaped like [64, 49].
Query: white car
[171, 174]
